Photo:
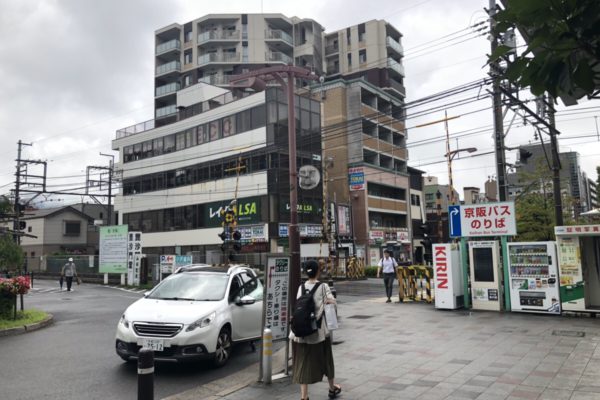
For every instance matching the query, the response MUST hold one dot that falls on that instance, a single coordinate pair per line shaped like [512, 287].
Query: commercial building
[225, 146]
[172, 186]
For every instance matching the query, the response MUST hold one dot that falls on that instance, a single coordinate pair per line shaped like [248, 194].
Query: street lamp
[450, 156]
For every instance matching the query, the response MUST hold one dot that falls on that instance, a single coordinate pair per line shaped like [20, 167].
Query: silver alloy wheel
[223, 350]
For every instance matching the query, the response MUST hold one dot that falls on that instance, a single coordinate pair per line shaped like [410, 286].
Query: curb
[220, 388]
[27, 328]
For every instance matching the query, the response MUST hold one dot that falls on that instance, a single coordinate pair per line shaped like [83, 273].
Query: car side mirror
[147, 293]
[245, 300]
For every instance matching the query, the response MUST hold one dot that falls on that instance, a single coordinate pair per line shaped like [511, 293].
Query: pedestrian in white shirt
[388, 265]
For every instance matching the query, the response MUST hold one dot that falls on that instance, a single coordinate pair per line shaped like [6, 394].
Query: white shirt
[388, 265]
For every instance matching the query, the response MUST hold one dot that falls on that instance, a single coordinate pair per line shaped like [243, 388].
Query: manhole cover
[361, 316]
[569, 333]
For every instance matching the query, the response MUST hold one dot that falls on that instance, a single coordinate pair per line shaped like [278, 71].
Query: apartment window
[187, 57]
[415, 200]
[33, 254]
[71, 228]
[157, 146]
[29, 229]
[187, 80]
[215, 130]
[147, 149]
[202, 133]
[191, 137]
[349, 60]
[429, 196]
[169, 144]
[229, 126]
[362, 56]
[180, 141]
[361, 32]
[188, 36]
[348, 36]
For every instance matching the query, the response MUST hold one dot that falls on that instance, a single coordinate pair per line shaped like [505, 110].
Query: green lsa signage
[247, 210]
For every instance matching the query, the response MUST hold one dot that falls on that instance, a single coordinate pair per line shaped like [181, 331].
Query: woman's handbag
[331, 317]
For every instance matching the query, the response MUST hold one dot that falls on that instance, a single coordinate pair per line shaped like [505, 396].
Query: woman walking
[314, 356]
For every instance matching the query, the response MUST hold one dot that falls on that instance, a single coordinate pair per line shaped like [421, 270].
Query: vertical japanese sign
[134, 253]
[488, 219]
[113, 249]
[276, 305]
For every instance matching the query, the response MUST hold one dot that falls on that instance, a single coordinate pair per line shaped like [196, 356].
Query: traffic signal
[524, 155]
[22, 225]
[230, 236]
[426, 242]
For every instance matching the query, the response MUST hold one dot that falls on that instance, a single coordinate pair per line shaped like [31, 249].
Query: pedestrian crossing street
[40, 290]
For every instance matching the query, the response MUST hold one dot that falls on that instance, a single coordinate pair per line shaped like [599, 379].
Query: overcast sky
[75, 71]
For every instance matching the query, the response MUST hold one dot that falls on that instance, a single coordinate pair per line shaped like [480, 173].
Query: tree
[11, 255]
[535, 217]
[563, 46]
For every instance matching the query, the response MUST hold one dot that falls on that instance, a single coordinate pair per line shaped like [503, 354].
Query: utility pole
[497, 108]
[111, 166]
[17, 205]
[285, 75]
[558, 212]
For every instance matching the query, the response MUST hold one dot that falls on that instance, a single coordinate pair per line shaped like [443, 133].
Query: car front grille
[156, 330]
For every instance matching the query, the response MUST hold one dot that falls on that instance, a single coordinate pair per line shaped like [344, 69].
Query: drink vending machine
[484, 261]
[449, 292]
[533, 277]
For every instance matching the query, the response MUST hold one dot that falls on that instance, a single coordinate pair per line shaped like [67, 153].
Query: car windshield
[191, 286]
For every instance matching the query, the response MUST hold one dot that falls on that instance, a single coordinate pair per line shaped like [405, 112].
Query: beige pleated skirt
[312, 361]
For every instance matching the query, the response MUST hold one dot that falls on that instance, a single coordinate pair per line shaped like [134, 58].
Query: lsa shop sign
[247, 211]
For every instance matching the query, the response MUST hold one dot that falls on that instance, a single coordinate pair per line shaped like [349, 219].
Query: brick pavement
[412, 351]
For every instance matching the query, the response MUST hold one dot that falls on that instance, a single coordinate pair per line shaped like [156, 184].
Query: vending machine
[484, 261]
[534, 285]
[448, 279]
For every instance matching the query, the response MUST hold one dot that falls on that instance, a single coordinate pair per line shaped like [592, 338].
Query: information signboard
[276, 315]
[113, 249]
[484, 219]
[356, 178]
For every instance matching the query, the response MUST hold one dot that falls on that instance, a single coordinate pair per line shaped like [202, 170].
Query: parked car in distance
[196, 313]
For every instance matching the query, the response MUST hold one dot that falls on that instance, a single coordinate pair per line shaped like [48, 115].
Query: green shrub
[370, 272]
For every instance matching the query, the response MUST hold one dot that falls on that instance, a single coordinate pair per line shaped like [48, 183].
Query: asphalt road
[74, 358]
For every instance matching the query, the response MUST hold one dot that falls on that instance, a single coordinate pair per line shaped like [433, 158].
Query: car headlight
[124, 321]
[202, 322]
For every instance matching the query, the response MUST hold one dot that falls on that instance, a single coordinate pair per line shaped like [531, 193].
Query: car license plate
[153, 344]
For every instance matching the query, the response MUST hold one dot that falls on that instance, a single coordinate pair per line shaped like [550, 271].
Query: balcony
[218, 58]
[217, 36]
[173, 66]
[394, 45]
[278, 34]
[215, 79]
[274, 56]
[168, 46]
[331, 50]
[396, 66]
[167, 89]
[165, 111]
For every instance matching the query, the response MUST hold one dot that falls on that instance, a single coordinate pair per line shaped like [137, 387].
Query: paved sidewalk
[412, 351]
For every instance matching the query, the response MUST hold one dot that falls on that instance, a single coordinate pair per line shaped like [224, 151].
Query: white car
[196, 313]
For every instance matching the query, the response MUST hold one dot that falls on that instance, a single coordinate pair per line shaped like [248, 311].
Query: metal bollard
[145, 374]
[267, 360]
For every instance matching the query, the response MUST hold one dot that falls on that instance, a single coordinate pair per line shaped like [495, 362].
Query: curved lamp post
[450, 156]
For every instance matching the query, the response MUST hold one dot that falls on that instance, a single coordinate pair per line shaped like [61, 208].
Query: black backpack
[304, 321]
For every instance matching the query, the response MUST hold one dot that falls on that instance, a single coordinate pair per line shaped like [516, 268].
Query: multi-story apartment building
[362, 118]
[213, 48]
[177, 177]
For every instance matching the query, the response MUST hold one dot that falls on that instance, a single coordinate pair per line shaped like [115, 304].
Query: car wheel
[224, 345]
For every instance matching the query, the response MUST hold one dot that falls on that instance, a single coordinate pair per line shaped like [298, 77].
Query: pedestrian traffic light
[524, 155]
[426, 242]
[425, 228]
